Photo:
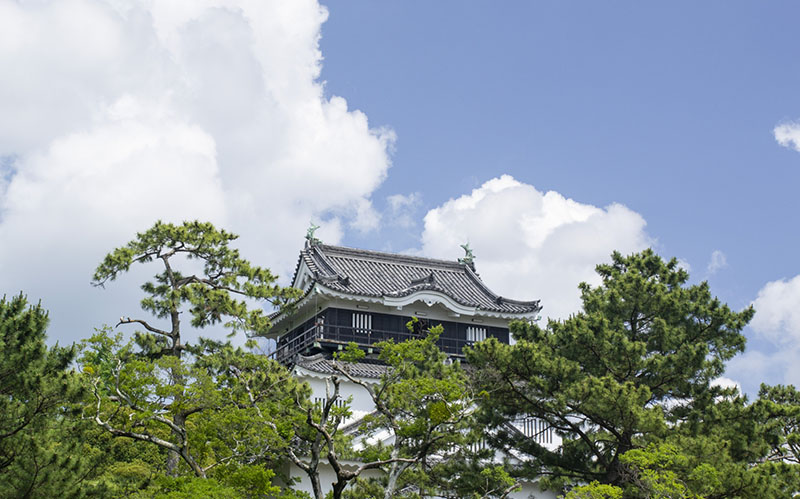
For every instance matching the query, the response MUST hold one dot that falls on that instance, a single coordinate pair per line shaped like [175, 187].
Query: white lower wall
[362, 404]
[530, 490]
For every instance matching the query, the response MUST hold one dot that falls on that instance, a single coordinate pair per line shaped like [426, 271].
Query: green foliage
[426, 398]
[108, 467]
[653, 472]
[216, 292]
[779, 407]
[36, 388]
[351, 353]
[369, 489]
[609, 379]
[426, 404]
[188, 487]
[595, 490]
[232, 406]
[494, 481]
[206, 405]
[244, 482]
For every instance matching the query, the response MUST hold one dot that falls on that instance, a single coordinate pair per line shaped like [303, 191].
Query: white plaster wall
[326, 477]
[532, 490]
[361, 402]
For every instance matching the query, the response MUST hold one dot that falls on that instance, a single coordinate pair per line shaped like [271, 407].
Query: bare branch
[128, 320]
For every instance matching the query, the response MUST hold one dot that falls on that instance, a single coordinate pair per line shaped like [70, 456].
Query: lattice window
[479, 445]
[362, 323]
[475, 334]
[320, 401]
[536, 429]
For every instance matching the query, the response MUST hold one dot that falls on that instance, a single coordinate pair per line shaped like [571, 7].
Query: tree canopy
[628, 383]
[216, 291]
[208, 405]
[36, 389]
[423, 407]
[635, 362]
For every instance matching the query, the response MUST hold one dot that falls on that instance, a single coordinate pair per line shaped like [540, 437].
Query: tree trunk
[172, 463]
[174, 457]
[395, 471]
[338, 488]
[316, 487]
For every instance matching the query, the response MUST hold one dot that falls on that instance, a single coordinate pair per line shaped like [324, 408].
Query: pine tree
[36, 389]
[637, 361]
[208, 405]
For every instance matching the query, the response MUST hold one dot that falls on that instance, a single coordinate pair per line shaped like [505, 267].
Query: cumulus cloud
[116, 114]
[777, 325]
[788, 135]
[718, 261]
[776, 366]
[402, 209]
[777, 315]
[724, 382]
[533, 245]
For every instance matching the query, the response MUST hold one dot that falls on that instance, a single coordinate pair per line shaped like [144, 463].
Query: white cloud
[366, 218]
[726, 383]
[777, 315]
[718, 261]
[788, 135]
[402, 209]
[754, 367]
[116, 114]
[533, 245]
[776, 322]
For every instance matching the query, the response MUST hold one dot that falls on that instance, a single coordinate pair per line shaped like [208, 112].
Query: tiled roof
[388, 275]
[319, 363]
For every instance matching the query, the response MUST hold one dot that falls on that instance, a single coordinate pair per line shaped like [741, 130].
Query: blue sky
[666, 108]
[545, 133]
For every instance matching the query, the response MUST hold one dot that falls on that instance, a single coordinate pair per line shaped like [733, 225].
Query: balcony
[331, 338]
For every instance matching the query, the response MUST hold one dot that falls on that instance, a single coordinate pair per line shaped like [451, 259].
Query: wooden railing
[332, 336]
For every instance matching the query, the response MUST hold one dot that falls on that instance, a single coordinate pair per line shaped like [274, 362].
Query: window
[475, 334]
[362, 323]
[339, 402]
[479, 445]
[536, 429]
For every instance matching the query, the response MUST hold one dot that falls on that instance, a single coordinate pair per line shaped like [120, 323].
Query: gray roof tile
[319, 363]
[376, 274]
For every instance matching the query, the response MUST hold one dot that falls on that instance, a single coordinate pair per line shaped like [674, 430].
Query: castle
[360, 296]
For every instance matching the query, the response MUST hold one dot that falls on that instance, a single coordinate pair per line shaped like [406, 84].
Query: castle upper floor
[362, 296]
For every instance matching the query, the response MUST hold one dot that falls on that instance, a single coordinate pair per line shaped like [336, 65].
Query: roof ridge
[331, 270]
[400, 257]
[379, 274]
[497, 298]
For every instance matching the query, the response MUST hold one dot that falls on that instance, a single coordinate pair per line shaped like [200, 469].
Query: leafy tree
[779, 407]
[595, 490]
[486, 482]
[318, 438]
[36, 388]
[117, 467]
[238, 406]
[423, 402]
[218, 292]
[636, 362]
[468, 474]
[244, 482]
[206, 405]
